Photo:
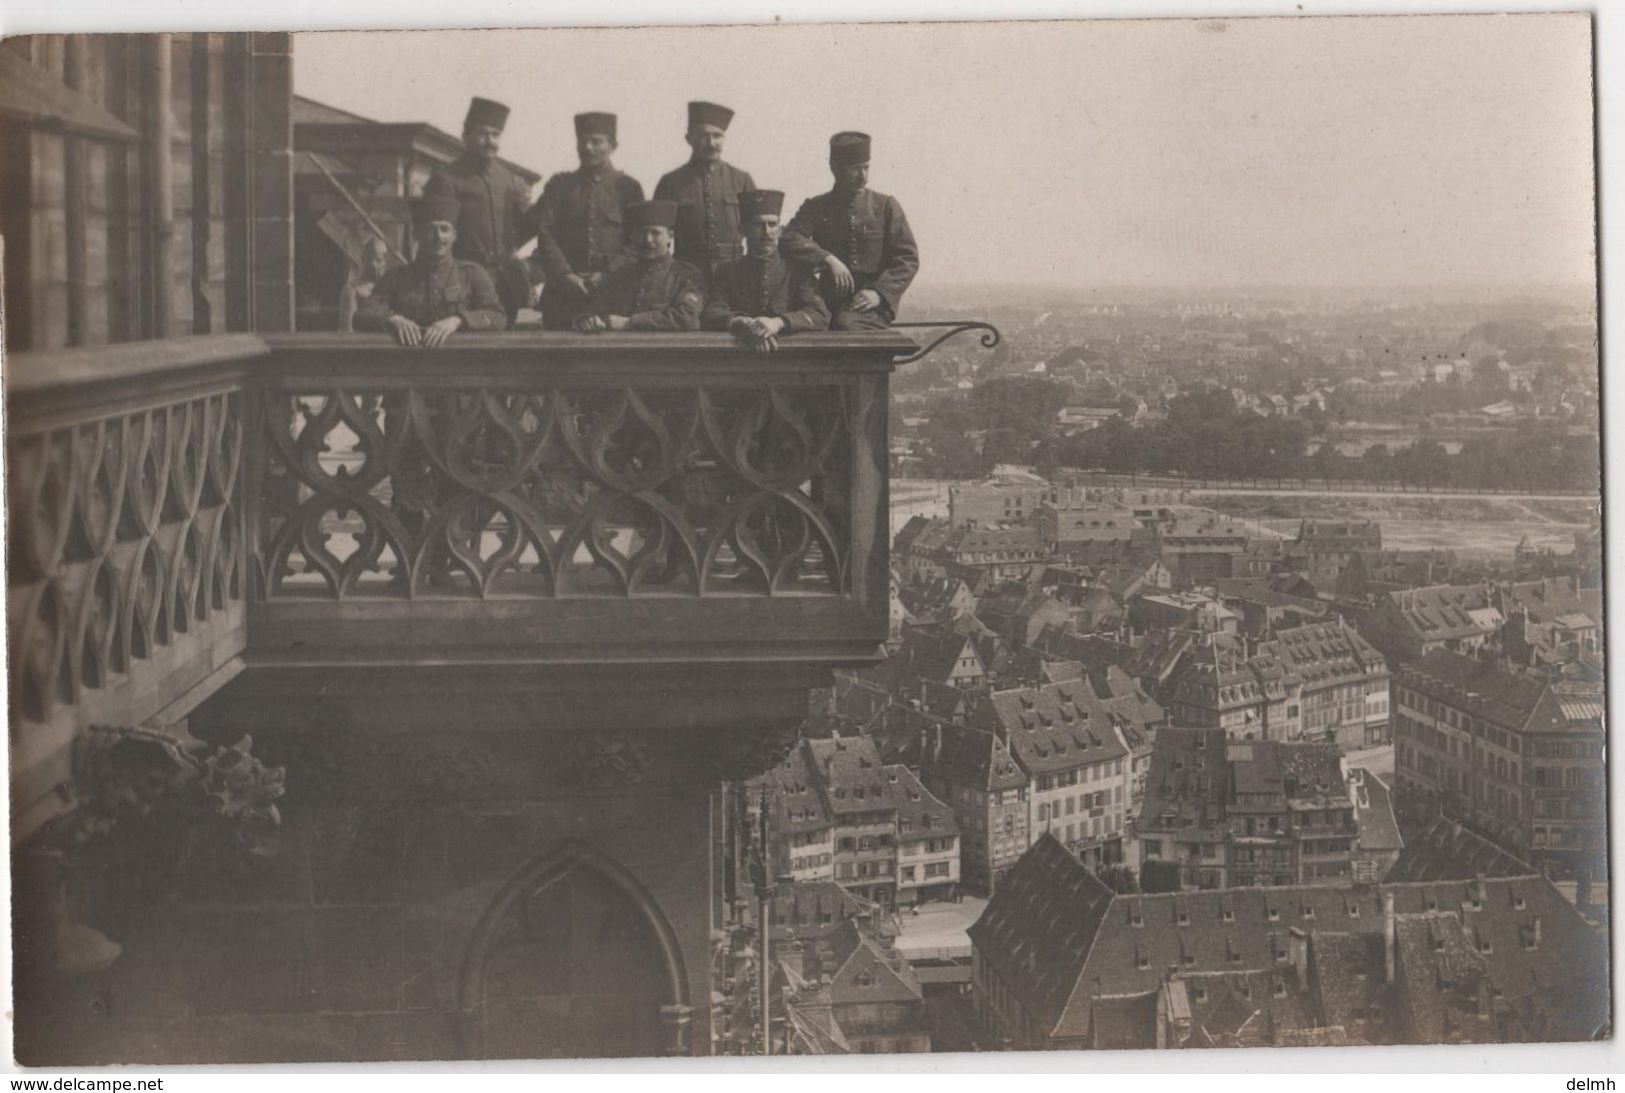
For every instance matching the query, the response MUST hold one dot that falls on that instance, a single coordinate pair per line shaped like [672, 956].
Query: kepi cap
[486, 112]
[647, 214]
[595, 121]
[761, 203]
[848, 149]
[709, 113]
[436, 207]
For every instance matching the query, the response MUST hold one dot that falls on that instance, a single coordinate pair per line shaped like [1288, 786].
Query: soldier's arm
[809, 311]
[797, 243]
[683, 313]
[372, 313]
[902, 257]
[543, 219]
[484, 308]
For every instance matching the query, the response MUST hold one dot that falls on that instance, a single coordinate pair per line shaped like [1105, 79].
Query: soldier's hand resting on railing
[435, 334]
[405, 331]
[760, 333]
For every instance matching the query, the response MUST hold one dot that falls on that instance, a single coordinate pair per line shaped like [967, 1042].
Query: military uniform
[758, 285]
[865, 230]
[580, 227]
[764, 284]
[428, 291]
[492, 200]
[661, 295]
[708, 227]
[707, 197]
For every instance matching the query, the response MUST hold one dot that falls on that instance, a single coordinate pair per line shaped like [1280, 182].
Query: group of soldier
[708, 251]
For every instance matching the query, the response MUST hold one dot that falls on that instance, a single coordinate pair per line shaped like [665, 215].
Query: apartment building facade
[1513, 755]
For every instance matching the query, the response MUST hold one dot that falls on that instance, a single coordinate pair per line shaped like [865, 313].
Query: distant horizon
[1488, 293]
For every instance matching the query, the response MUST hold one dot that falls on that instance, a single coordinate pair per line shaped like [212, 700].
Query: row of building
[1223, 814]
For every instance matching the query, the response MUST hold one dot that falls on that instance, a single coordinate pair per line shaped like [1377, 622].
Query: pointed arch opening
[574, 958]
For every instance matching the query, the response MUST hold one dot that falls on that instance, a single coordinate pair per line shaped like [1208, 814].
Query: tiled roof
[867, 975]
[1521, 702]
[849, 774]
[813, 909]
[796, 799]
[1055, 727]
[1553, 600]
[936, 597]
[924, 815]
[1052, 931]
[1374, 811]
[1444, 612]
[970, 757]
[1444, 850]
[910, 532]
[1325, 654]
[933, 653]
[1038, 929]
[1439, 971]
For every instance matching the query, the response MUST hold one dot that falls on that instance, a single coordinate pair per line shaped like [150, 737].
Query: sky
[1362, 152]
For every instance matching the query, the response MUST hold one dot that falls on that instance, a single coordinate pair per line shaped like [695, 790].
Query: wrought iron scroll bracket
[990, 336]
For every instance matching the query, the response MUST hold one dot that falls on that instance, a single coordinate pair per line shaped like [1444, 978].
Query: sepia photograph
[804, 540]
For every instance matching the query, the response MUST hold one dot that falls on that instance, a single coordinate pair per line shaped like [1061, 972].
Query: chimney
[1535, 938]
[1390, 938]
[936, 751]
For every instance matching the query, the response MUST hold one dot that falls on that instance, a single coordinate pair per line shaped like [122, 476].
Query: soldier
[435, 295]
[859, 237]
[707, 191]
[657, 292]
[492, 200]
[580, 223]
[762, 297]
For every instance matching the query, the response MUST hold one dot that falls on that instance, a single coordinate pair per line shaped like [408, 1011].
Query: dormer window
[1142, 961]
[1280, 988]
[1201, 994]
[1229, 915]
[1272, 914]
